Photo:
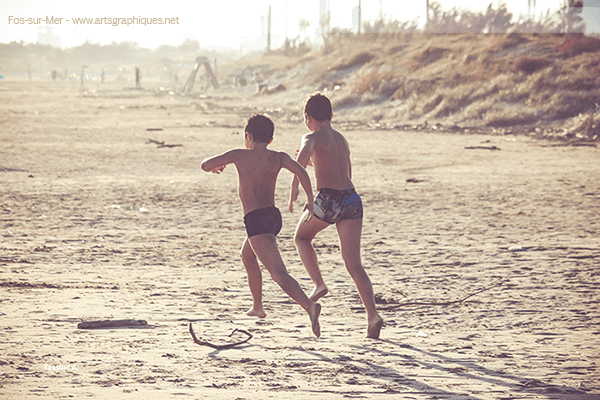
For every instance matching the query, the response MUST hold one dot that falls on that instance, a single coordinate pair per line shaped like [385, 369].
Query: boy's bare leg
[349, 232]
[265, 248]
[254, 280]
[305, 233]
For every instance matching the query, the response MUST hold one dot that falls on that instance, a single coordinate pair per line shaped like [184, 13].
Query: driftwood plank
[162, 144]
[115, 323]
[482, 147]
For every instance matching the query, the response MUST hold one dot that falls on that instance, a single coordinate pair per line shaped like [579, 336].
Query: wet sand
[483, 251]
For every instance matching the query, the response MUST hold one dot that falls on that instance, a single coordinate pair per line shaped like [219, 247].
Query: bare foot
[253, 312]
[318, 292]
[374, 328]
[313, 312]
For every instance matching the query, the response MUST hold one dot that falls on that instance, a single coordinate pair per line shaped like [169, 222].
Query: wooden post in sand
[83, 67]
[137, 78]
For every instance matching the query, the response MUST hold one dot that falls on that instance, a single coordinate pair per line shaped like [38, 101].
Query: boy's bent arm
[294, 192]
[217, 163]
[303, 158]
[305, 151]
[300, 175]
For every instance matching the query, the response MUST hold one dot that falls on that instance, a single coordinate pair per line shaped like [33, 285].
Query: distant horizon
[151, 26]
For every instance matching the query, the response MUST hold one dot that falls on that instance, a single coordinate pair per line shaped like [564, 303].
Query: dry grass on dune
[494, 80]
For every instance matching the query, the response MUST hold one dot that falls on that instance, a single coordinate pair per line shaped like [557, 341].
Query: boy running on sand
[258, 168]
[336, 203]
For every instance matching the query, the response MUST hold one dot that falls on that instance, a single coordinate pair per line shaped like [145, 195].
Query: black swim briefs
[333, 205]
[263, 220]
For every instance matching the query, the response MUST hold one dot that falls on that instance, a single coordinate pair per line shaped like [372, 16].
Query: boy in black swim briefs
[337, 203]
[257, 169]
[263, 220]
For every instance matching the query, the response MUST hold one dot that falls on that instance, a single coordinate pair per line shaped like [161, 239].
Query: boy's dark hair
[318, 107]
[261, 127]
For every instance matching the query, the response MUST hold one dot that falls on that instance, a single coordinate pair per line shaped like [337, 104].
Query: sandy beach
[483, 250]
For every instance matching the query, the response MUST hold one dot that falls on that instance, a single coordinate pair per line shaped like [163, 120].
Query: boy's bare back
[330, 154]
[257, 174]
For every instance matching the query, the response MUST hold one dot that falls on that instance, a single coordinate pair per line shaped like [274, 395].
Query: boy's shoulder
[277, 152]
[274, 155]
[324, 135]
[280, 154]
[236, 152]
[311, 136]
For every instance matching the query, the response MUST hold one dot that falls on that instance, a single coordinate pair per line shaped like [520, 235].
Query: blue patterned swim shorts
[332, 205]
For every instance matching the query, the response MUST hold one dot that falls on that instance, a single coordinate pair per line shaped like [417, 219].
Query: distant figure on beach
[260, 85]
[336, 203]
[138, 85]
[257, 168]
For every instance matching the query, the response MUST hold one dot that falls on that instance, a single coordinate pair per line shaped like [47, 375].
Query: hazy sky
[227, 23]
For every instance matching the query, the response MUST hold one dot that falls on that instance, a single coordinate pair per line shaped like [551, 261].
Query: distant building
[591, 16]
[323, 15]
[355, 21]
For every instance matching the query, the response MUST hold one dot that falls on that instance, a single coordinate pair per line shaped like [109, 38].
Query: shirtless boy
[258, 168]
[336, 203]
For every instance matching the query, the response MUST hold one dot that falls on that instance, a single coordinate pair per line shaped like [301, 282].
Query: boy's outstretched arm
[300, 175]
[217, 164]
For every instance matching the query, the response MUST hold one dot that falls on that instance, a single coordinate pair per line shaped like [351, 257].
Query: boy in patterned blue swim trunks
[332, 205]
[337, 203]
[257, 168]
